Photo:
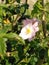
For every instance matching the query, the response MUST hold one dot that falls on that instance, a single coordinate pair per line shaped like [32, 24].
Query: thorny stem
[43, 20]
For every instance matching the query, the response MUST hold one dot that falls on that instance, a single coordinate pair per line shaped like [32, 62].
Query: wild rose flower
[30, 27]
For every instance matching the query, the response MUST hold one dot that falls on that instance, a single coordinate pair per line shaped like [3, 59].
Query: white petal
[23, 36]
[23, 32]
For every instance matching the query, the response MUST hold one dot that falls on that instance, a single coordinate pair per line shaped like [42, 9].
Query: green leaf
[32, 61]
[5, 29]
[7, 63]
[15, 36]
[35, 59]
[1, 11]
[22, 10]
[12, 36]
[18, 1]
[2, 46]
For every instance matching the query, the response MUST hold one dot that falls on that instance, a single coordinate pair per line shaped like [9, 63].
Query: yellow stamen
[28, 30]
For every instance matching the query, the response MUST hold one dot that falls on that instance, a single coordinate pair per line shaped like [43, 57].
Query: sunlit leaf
[2, 47]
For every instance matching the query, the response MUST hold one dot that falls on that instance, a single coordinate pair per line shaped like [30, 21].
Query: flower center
[28, 30]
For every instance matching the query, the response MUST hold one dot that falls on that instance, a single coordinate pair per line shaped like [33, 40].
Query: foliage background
[13, 49]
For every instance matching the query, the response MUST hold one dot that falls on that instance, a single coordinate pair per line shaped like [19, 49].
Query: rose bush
[24, 33]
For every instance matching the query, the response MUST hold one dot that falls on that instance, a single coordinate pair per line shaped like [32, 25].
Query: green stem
[2, 24]
[43, 20]
[48, 56]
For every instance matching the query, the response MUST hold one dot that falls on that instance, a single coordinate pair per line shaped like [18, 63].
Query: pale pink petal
[36, 29]
[27, 21]
[34, 20]
[35, 24]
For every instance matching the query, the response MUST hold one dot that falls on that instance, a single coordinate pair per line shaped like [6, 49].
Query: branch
[43, 20]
